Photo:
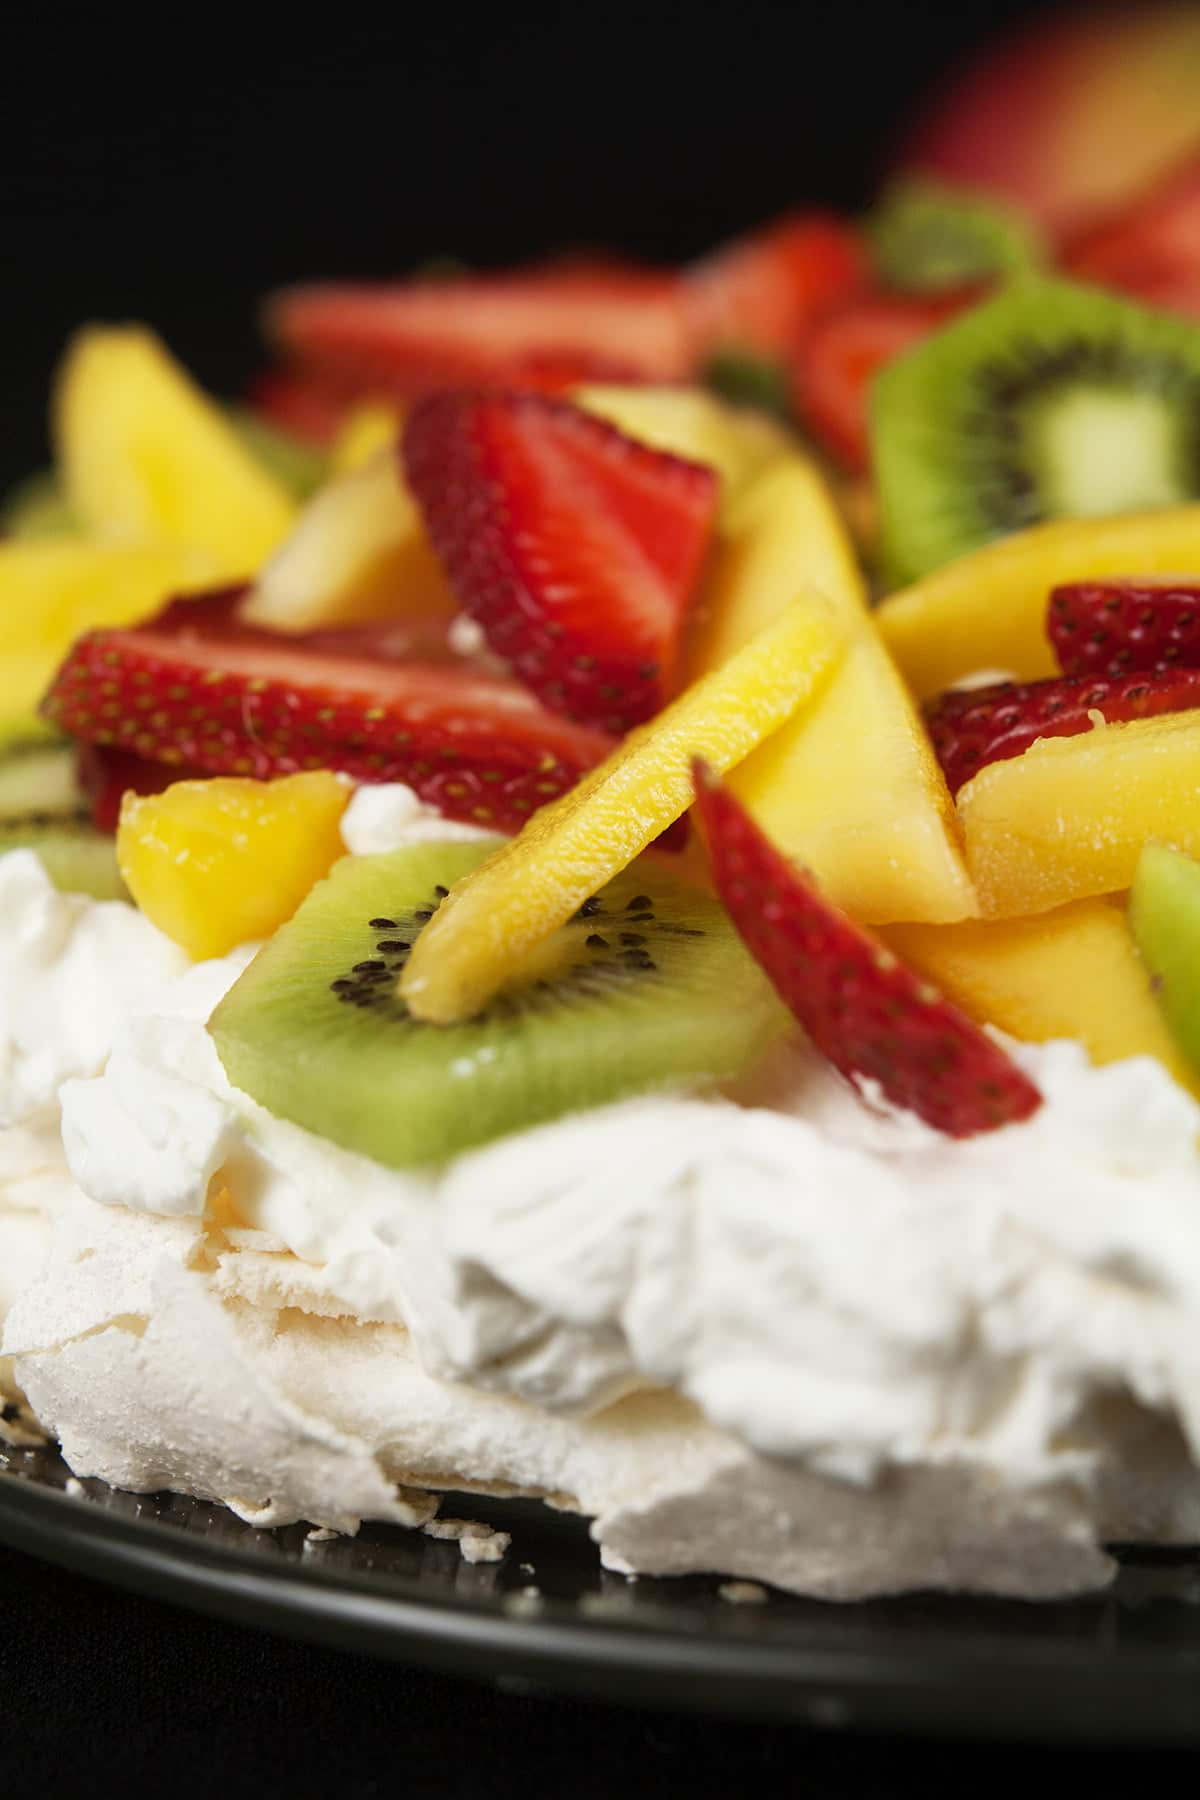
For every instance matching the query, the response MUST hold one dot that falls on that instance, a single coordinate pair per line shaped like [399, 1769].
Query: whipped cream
[391, 816]
[871, 1357]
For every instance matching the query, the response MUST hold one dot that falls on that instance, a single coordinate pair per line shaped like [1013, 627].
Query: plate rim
[1001, 1690]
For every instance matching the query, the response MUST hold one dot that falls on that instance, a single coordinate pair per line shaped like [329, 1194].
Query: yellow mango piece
[218, 863]
[146, 457]
[1071, 973]
[358, 552]
[507, 906]
[850, 786]
[1070, 816]
[988, 610]
[365, 431]
[736, 441]
[51, 592]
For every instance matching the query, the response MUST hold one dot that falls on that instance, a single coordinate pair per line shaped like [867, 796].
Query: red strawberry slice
[106, 775]
[837, 361]
[414, 337]
[1150, 250]
[575, 548]
[973, 726]
[478, 747]
[1125, 623]
[760, 292]
[873, 1018]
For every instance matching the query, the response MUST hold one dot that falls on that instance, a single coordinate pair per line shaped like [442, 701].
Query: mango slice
[358, 552]
[363, 433]
[850, 786]
[988, 610]
[1070, 817]
[147, 458]
[218, 863]
[735, 441]
[51, 592]
[513, 901]
[1071, 973]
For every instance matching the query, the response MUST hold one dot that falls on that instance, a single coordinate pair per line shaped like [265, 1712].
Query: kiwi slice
[744, 379]
[1164, 912]
[647, 987]
[1050, 401]
[37, 778]
[78, 858]
[927, 238]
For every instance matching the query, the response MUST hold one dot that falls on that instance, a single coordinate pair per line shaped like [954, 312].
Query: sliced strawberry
[873, 1018]
[1126, 623]
[974, 726]
[1151, 249]
[411, 338]
[106, 775]
[761, 292]
[478, 747]
[300, 404]
[836, 362]
[575, 548]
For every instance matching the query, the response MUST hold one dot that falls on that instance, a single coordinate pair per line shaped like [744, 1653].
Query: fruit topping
[928, 237]
[357, 552]
[227, 700]
[1164, 910]
[1071, 973]
[149, 459]
[1072, 115]
[1069, 817]
[971, 727]
[837, 361]
[38, 779]
[1051, 401]
[576, 549]
[988, 610]
[537, 882]
[850, 785]
[548, 328]
[870, 1016]
[646, 986]
[761, 292]
[218, 863]
[1151, 251]
[734, 441]
[77, 858]
[1127, 623]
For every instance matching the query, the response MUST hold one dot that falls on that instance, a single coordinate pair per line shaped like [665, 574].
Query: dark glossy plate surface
[1124, 1665]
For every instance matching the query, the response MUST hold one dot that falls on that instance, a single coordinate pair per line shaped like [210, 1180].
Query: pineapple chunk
[366, 430]
[735, 441]
[988, 610]
[218, 863]
[51, 592]
[358, 552]
[500, 912]
[1071, 973]
[851, 786]
[147, 458]
[1069, 818]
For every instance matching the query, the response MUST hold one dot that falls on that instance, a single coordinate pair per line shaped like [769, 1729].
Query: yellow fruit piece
[850, 786]
[988, 610]
[358, 552]
[147, 458]
[1071, 973]
[51, 592]
[364, 432]
[219, 863]
[569, 850]
[1070, 817]
[735, 441]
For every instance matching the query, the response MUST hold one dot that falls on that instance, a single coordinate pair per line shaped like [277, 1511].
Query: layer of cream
[779, 1333]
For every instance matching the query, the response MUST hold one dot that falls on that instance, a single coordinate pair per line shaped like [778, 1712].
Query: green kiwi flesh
[77, 858]
[1052, 400]
[745, 379]
[1164, 913]
[928, 238]
[37, 777]
[647, 987]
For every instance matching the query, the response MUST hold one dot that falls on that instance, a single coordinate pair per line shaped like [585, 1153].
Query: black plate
[1123, 1665]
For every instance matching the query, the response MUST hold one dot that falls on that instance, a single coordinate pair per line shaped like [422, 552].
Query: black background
[172, 171]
